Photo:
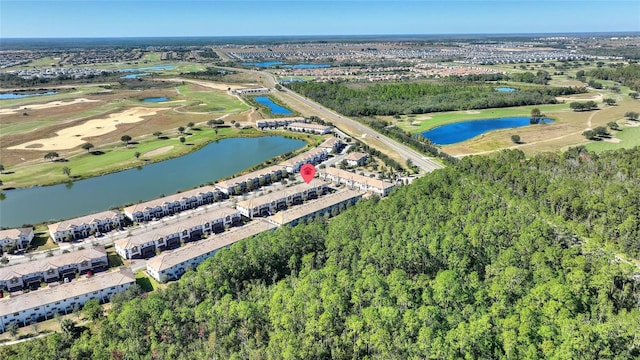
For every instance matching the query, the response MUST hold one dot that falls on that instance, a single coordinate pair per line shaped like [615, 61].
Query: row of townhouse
[173, 264]
[145, 244]
[20, 238]
[269, 204]
[251, 91]
[172, 204]
[310, 128]
[356, 181]
[62, 299]
[329, 204]
[52, 269]
[278, 122]
[313, 156]
[252, 180]
[82, 227]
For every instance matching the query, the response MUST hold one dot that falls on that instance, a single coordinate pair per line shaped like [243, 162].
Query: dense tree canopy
[418, 98]
[493, 258]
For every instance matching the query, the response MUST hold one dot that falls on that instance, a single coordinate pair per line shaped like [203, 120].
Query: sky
[125, 18]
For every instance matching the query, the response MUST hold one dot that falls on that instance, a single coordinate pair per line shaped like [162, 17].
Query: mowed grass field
[27, 167]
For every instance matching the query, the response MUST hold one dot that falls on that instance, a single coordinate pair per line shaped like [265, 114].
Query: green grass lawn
[629, 137]
[214, 101]
[62, 95]
[147, 283]
[437, 119]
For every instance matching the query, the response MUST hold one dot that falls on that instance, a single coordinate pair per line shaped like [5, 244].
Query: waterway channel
[215, 161]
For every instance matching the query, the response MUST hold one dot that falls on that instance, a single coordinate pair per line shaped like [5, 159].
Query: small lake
[211, 163]
[148, 68]
[505, 89]
[465, 130]
[133, 76]
[155, 99]
[24, 95]
[273, 107]
[287, 66]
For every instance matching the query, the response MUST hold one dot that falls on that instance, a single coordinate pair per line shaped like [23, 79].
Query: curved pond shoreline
[214, 161]
[465, 130]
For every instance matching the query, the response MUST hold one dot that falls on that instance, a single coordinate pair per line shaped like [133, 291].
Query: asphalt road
[364, 131]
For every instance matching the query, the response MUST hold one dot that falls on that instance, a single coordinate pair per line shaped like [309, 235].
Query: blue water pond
[465, 130]
[288, 66]
[155, 99]
[505, 89]
[133, 76]
[273, 107]
[20, 96]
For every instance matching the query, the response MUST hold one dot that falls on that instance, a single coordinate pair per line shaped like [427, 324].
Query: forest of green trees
[626, 75]
[497, 257]
[418, 98]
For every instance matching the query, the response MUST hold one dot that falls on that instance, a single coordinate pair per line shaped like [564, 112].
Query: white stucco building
[356, 159]
[43, 304]
[356, 181]
[172, 204]
[332, 144]
[172, 265]
[82, 227]
[51, 269]
[277, 122]
[321, 206]
[162, 237]
[269, 204]
[310, 128]
[313, 156]
[253, 180]
[21, 237]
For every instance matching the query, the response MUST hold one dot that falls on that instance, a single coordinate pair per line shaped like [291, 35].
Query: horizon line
[318, 35]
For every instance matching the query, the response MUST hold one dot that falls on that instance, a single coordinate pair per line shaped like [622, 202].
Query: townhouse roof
[175, 228]
[87, 219]
[54, 292]
[183, 254]
[283, 119]
[15, 233]
[53, 262]
[304, 156]
[312, 206]
[310, 126]
[225, 184]
[281, 194]
[329, 143]
[355, 156]
[361, 179]
[151, 204]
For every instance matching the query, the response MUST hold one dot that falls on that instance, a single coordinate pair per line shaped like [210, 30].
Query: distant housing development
[172, 265]
[44, 304]
[172, 204]
[252, 91]
[80, 228]
[354, 180]
[32, 274]
[164, 237]
[21, 237]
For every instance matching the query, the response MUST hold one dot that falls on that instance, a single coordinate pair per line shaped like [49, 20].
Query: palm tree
[157, 134]
[51, 155]
[137, 155]
[182, 139]
[1, 168]
[191, 125]
[66, 171]
[125, 139]
[87, 146]
[181, 129]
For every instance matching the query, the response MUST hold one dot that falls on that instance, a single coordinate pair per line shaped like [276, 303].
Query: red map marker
[307, 171]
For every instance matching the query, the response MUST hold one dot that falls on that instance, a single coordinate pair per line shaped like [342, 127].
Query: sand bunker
[43, 106]
[71, 137]
[159, 151]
